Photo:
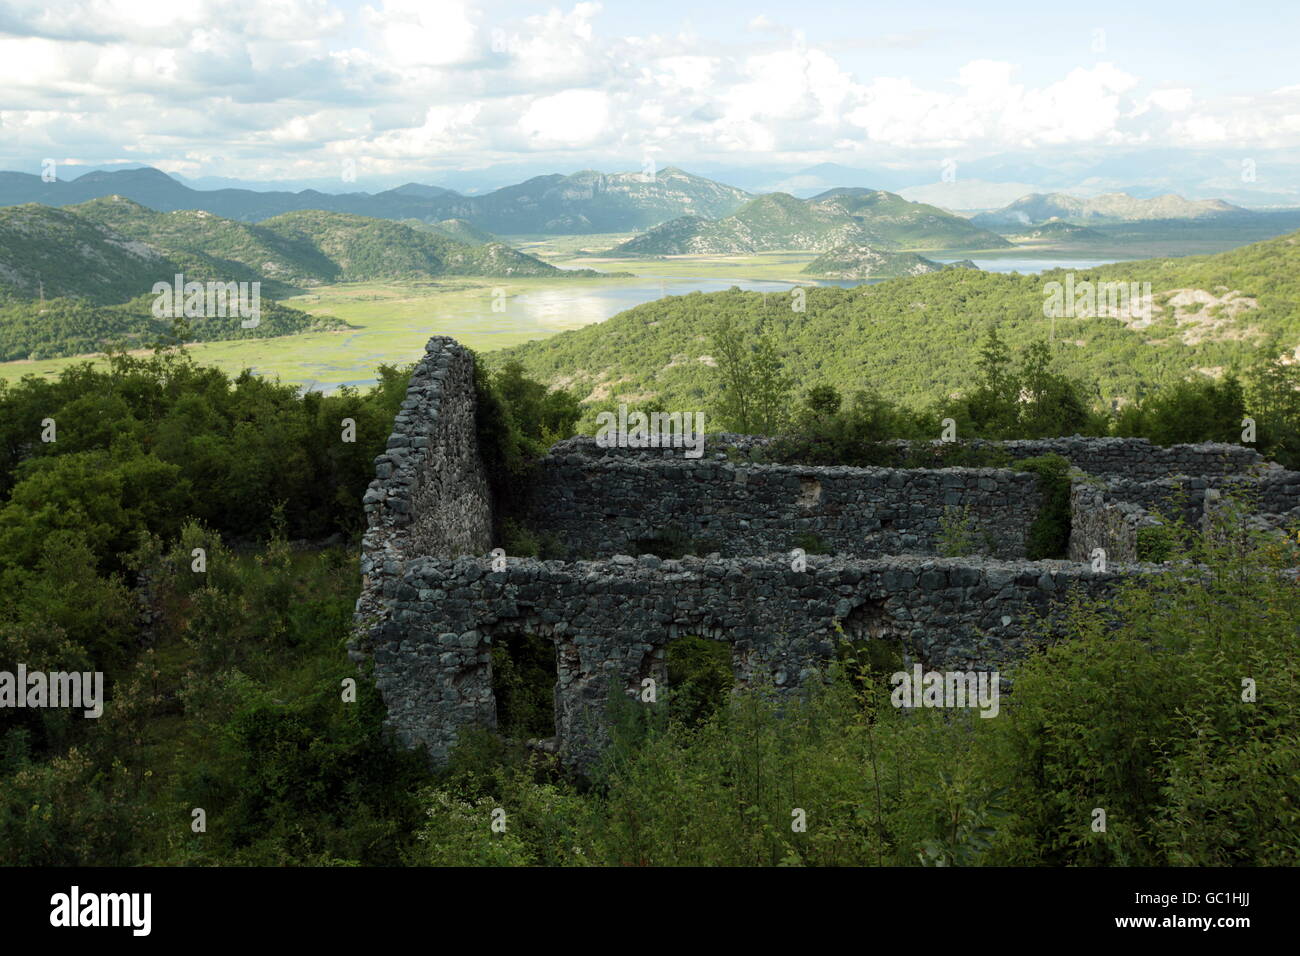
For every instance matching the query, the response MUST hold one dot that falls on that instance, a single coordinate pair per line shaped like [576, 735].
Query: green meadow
[391, 322]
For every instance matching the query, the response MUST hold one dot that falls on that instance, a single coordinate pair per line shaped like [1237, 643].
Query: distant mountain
[889, 217]
[1038, 208]
[859, 261]
[112, 249]
[815, 179]
[207, 247]
[584, 202]
[1058, 230]
[361, 248]
[72, 284]
[76, 280]
[834, 218]
[463, 231]
[774, 221]
[420, 191]
[162, 193]
[595, 202]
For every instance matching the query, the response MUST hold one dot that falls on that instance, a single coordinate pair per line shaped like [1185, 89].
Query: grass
[391, 323]
[393, 320]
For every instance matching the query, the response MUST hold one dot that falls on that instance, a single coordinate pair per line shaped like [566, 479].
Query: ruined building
[432, 605]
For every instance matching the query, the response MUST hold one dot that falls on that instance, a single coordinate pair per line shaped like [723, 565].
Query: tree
[993, 405]
[755, 388]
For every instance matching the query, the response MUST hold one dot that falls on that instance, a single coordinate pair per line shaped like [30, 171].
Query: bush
[1049, 535]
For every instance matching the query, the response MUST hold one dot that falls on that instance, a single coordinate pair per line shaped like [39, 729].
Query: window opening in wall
[700, 678]
[523, 681]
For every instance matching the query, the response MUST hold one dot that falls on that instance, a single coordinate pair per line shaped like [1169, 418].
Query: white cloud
[571, 118]
[238, 86]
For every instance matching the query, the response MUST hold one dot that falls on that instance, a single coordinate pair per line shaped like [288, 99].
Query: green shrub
[523, 681]
[1049, 535]
[700, 678]
[1156, 543]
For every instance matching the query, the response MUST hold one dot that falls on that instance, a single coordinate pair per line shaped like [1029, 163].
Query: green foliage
[1273, 398]
[1136, 708]
[1049, 535]
[147, 441]
[752, 384]
[841, 220]
[523, 681]
[699, 678]
[1030, 400]
[1156, 543]
[1144, 688]
[825, 433]
[810, 543]
[959, 533]
[1188, 411]
[911, 338]
[517, 420]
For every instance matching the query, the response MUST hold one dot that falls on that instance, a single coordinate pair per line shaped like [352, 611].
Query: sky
[297, 90]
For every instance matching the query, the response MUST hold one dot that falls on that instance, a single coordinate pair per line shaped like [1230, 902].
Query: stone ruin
[432, 605]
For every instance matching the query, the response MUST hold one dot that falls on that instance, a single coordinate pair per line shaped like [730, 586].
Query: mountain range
[835, 218]
[1038, 208]
[584, 202]
[112, 249]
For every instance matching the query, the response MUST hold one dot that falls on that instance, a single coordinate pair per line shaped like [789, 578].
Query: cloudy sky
[405, 89]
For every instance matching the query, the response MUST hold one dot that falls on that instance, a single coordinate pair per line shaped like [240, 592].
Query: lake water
[538, 313]
[587, 303]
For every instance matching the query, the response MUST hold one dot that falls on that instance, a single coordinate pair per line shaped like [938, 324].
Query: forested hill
[79, 279]
[916, 339]
[834, 218]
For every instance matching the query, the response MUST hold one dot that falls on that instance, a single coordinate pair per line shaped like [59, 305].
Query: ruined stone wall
[596, 506]
[1134, 458]
[1100, 519]
[432, 606]
[1107, 511]
[611, 620]
[430, 493]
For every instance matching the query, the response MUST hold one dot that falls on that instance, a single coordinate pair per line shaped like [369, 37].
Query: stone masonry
[434, 601]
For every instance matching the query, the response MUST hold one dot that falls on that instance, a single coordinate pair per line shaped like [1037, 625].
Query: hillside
[57, 253]
[916, 338]
[589, 201]
[586, 201]
[912, 225]
[362, 248]
[1038, 208]
[77, 280]
[205, 246]
[861, 261]
[774, 221]
[779, 221]
[463, 231]
[1057, 230]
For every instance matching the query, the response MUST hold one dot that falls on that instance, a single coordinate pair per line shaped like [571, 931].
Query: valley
[353, 291]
